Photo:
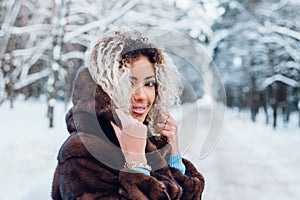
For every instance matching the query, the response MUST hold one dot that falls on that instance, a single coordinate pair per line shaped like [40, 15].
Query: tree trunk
[10, 93]
[275, 103]
[254, 99]
[50, 115]
[265, 106]
[275, 115]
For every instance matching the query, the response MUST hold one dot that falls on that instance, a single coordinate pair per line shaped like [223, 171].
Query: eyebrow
[147, 78]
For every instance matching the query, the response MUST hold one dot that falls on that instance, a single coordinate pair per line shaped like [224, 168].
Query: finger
[117, 130]
[168, 134]
[125, 119]
[164, 133]
[119, 134]
[135, 135]
[169, 127]
[170, 124]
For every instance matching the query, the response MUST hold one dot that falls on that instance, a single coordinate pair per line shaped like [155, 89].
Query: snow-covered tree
[256, 48]
[255, 45]
[44, 42]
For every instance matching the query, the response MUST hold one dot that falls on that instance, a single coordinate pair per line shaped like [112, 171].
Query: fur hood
[91, 104]
[90, 162]
[92, 113]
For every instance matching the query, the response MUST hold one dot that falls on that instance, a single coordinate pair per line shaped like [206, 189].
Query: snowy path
[250, 161]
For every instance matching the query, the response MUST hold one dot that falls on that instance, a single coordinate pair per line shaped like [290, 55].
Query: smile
[139, 110]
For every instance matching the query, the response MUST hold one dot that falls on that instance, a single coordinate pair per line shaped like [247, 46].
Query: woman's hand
[170, 130]
[132, 137]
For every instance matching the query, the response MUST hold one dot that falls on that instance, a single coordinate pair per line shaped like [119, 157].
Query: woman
[123, 143]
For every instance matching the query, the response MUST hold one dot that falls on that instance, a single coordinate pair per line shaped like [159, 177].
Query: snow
[100, 23]
[284, 30]
[30, 28]
[29, 150]
[281, 78]
[253, 161]
[30, 51]
[249, 161]
[13, 8]
[73, 54]
[32, 78]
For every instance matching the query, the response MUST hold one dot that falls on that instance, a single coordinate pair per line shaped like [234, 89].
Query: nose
[140, 94]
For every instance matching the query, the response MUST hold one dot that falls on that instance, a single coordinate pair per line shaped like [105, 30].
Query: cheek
[152, 96]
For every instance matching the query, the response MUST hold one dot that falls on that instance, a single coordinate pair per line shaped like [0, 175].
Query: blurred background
[254, 45]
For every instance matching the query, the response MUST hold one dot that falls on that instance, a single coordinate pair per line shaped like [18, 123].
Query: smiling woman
[143, 82]
[123, 141]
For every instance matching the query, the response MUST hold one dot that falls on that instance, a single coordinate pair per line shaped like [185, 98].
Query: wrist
[174, 149]
[131, 157]
[136, 161]
[137, 165]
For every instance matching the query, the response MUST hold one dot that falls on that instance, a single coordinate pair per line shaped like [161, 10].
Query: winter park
[238, 60]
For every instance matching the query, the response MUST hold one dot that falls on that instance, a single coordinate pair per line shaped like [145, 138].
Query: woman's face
[143, 83]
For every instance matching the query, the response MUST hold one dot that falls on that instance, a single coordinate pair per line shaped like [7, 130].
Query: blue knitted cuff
[176, 162]
[142, 170]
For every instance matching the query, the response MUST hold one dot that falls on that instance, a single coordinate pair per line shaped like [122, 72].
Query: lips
[139, 110]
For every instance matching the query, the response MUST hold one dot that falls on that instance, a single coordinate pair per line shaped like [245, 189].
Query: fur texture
[90, 162]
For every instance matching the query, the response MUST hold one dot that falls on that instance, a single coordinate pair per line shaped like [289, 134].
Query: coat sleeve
[84, 179]
[192, 182]
[80, 175]
[138, 186]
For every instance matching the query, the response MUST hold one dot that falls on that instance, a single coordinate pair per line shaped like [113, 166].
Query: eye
[151, 84]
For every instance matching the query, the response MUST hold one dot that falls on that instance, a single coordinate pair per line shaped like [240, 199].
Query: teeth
[139, 108]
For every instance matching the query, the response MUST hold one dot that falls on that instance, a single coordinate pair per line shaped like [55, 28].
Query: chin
[140, 118]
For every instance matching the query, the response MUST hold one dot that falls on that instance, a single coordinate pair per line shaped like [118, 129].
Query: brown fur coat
[90, 162]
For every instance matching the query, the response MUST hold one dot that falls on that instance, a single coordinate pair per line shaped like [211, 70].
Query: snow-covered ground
[250, 160]
[253, 161]
[29, 149]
